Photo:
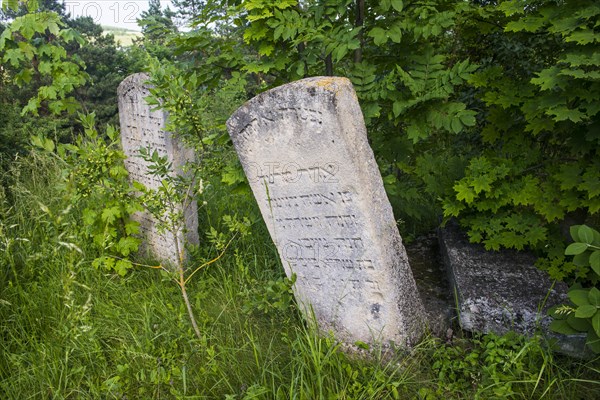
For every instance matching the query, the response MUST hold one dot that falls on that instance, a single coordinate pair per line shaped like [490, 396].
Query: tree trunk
[360, 19]
[328, 65]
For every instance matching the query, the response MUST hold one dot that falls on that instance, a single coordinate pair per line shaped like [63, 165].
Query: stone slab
[502, 291]
[142, 127]
[304, 149]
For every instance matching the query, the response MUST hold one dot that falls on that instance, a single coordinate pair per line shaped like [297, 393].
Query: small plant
[167, 204]
[492, 365]
[96, 181]
[583, 315]
[271, 298]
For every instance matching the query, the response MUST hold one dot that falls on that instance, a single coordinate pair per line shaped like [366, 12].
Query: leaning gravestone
[141, 127]
[304, 149]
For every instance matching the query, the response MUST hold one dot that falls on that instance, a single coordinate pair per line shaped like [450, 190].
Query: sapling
[168, 204]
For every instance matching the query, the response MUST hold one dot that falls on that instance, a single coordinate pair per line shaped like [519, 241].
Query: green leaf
[456, 126]
[593, 341]
[53, 28]
[266, 49]
[379, 36]
[127, 245]
[482, 183]
[32, 5]
[397, 5]
[590, 183]
[586, 234]
[464, 192]
[594, 297]
[132, 227]
[47, 92]
[595, 262]
[89, 217]
[580, 324]
[569, 177]
[395, 34]
[585, 311]
[583, 37]
[32, 106]
[574, 229]
[528, 24]
[581, 260]
[575, 248]
[596, 323]
[579, 297]
[562, 326]
[548, 79]
[122, 266]
[563, 113]
[10, 4]
[14, 57]
[110, 214]
[467, 118]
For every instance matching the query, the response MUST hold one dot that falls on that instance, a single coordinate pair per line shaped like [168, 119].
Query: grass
[70, 331]
[124, 37]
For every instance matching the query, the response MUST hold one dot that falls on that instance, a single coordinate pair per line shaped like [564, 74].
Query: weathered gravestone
[141, 127]
[304, 149]
[502, 291]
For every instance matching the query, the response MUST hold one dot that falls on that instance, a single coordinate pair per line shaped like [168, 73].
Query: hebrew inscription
[141, 127]
[304, 150]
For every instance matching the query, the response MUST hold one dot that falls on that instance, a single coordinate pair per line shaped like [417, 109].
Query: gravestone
[142, 127]
[502, 291]
[304, 149]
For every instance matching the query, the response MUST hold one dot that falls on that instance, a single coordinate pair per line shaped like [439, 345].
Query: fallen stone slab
[502, 291]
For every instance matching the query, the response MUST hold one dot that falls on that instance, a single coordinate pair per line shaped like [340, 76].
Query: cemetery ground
[69, 330]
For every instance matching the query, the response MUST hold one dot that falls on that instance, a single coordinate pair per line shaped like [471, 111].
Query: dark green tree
[188, 10]
[106, 64]
[157, 27]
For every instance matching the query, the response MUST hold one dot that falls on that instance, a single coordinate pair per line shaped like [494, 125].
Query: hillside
[123, 36]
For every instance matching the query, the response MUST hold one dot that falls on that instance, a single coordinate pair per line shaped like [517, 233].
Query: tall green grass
[70, 331]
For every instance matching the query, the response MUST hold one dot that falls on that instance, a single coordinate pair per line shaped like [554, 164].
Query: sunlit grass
[68, 330]
[124, 37]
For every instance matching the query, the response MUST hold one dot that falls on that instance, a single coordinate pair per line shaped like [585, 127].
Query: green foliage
[294, 40]
[583, 315]
[198, 116]
[410, 101]
[32, 47]
[497, 366]
[176, 192]
[177, 93]
[157, 27]
[106, 66]
[74, 333]
[540, 160]
[95, 179]
[55, 79]
[272, 297]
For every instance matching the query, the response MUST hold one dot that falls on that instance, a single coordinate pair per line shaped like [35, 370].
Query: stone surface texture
[304, 149]
[502, 291]
[141, 127]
